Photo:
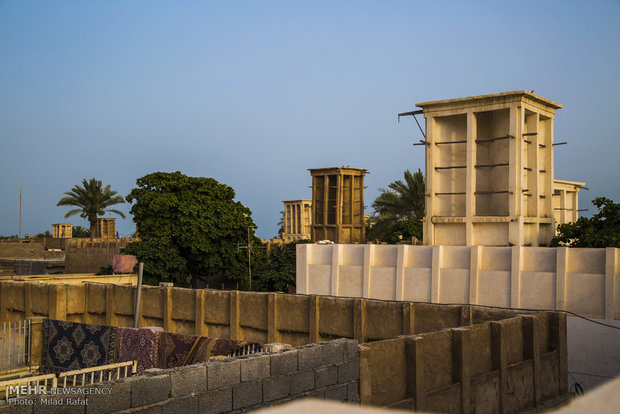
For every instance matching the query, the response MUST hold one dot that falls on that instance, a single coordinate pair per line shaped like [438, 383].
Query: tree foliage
[190, 228]
[278, 270]
[91, 200]
[399, 210]
[80, 231]
[601, 230]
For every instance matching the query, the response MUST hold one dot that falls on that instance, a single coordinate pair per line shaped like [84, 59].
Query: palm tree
[92, 200]
[403, 200]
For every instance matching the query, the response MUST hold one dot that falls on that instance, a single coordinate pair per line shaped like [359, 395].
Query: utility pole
[20, 211]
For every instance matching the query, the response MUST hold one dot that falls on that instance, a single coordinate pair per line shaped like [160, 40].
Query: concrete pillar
[200, 328]
[436, 274]
[235, 331]
[470, 184]
[560, 278]
[313, 320]
[335, 272]
[401, 257]
[515, 276]
[273, 335]
[474, 271]
[369, 253]
[611, 255]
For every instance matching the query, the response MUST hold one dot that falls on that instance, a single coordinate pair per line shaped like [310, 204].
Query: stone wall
[505, 366]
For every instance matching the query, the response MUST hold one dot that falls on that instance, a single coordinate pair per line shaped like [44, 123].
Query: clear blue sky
[253, 93]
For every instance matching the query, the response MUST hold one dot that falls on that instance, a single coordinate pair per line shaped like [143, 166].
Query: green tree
[190, 228]
[399, 210]
[601, 230]
[91, 200]
[278, 270]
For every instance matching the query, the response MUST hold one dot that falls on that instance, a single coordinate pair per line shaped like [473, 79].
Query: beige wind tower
[338, 204]
[62, 231]
[489, 170]
[297, 220]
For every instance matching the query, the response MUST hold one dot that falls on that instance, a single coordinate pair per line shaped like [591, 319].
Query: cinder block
[117, 397]
[247, 394]
[223, 374]
[284, 362]
[326, 376]
[348, 371]
[338, 393]
[353, 394]
[191, 380]
[309, 357]
[351, 350]
[333, 352]
[146, 390]
[255, 368]
[275, 388]
[302, 381]
[216, 402]
[185, 405]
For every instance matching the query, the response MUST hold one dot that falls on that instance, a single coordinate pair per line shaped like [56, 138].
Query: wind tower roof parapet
[484, 102]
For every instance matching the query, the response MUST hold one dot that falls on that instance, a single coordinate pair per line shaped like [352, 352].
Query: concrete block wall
[329, 370]
[505, 366]
[584, 281]
[252, 316]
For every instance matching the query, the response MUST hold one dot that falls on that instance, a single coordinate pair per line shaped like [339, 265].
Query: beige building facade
[105, 228]
[489, 170]
[338, 204]
[62, 231]
[566, 201]
[297, 220]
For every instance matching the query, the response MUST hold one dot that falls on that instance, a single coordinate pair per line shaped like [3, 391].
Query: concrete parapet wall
[253, 316]
[584, 281]
[503, 366]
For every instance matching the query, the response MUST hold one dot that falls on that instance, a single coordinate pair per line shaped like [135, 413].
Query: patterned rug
[71, 345]
[174, 349]
[138, 344]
